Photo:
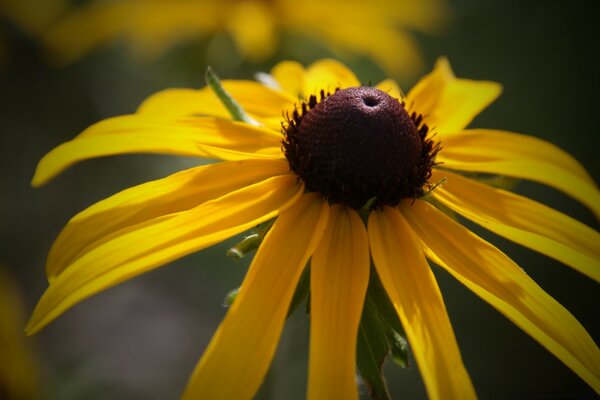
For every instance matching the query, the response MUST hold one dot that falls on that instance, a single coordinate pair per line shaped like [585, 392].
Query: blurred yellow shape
[378, 29]
[18, 373]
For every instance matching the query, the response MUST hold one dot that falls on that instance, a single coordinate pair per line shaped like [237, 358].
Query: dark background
[143, 338]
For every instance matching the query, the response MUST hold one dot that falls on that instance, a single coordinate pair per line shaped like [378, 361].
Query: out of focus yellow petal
[255, 98]
[290, 75]
[448, 103]
[178, 192]
[150, 26]
[520, 156]
[327, 75]
[256, 40]
[391, 87]
[491, 275]
[201, 136]
[339, 277]
[18, 367]
[524, 221]
[156, 242]
[412, 288]
[238, 356]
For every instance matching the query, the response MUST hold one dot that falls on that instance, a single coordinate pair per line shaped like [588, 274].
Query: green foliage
[380, 335]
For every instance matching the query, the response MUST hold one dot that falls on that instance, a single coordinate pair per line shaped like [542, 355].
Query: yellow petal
[202, 137]
[339, 277]
[496, 279]
[391, 87]
[184, 103]
[175, 193]
[427, 91]
[412, 288]
[290, 75]
[449, 104]
[255, 98]
[149, 245]
[327, 75]
[520, 156]
[524, 221]
[238, 356]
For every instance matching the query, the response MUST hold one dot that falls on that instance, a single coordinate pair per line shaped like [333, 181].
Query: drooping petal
[520, 156]
[327, 75]
[202, 137]
[498, 280]
[148, 245]
[391, 87]
[524, 221]
[178, 192]
[338, 282]
[238, 356]
[255, 98]
[412, 288]
[448, 103]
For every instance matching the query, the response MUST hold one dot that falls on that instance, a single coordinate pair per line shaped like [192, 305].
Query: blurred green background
[143, 338]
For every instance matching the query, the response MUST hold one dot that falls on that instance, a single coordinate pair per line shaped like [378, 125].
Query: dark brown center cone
[358, 144]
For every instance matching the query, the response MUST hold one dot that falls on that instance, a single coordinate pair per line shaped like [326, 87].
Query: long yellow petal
[495, 278]
[175, 193]
[327, 75]
[524, 221]
[238, 356]
[449, 104]
[520, 156]
[202, 137]
[255, 98]
[412, 288]
[339, 277]
[149, 245]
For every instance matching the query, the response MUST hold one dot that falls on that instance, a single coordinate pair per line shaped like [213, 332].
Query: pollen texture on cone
[358, 144]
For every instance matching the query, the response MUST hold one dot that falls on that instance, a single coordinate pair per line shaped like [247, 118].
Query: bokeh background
[142, 338]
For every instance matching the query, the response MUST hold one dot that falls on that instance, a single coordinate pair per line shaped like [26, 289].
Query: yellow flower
[378, 29]
[352, 146]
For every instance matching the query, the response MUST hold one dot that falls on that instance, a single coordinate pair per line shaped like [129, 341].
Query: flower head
[349, 174]
[379, 29]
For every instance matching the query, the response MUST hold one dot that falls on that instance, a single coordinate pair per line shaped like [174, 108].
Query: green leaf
[235, 110]
[380, 334]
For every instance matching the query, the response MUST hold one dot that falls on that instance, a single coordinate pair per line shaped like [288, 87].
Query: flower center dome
[359, 145]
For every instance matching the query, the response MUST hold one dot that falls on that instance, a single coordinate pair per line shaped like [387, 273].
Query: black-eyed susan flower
[350, 174]
[379, 29]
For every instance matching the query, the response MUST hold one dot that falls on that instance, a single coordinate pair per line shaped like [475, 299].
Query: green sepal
[230, 297]
[250, 242]
[380, 334]
[235, 110]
